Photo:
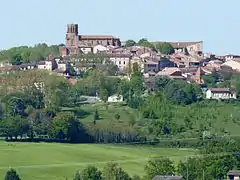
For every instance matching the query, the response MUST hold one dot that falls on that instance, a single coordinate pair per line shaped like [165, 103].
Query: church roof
[98, 37]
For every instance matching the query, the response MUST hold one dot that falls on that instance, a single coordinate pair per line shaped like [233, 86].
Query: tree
[12, 175]
[136, 67]
[130, 43]
[91, 173]
[96, 115]
[165, 48]
[190, 168]
[65, 125]
[16, 59]
[103, 94]
[77, 176]
[15, 126]
[161, 166]
[144, 42]
[117, 116]
[111, 171]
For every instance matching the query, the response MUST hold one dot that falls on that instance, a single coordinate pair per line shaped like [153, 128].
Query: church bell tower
[72, 35]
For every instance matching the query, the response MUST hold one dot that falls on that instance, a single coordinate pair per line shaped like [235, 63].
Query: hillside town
[187, 60]
[118, 101]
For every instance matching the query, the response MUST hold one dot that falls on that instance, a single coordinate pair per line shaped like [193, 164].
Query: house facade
[234, 175]
[164, 62]
[220, 93]
[150, 66]
[121, 60]
[99, 48]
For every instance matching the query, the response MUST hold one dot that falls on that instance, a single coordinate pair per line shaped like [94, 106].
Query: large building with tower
[76, 42]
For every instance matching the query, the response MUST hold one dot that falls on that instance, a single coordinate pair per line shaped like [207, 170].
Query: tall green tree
[12, 175]
[165, 48]
[161, 166]
[130, 43]
[77, 176]
[91, 173]
[111, 171]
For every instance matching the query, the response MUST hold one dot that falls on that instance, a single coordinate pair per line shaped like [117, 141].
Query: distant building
[190, 47]
[220, 93]
[168, 178]
[235, 65]
[121, 60]
[150, 66]
[115, 98]
[74, 41]
[234, 175]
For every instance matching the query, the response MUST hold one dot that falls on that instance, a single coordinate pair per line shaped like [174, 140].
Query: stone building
[74, 41]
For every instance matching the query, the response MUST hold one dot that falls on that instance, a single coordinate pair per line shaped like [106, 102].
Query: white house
[99, 48]
[115, 98]
[86, 50]
[47, 65]
[220, 93]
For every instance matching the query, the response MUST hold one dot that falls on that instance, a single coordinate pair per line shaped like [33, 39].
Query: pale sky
[216, 22]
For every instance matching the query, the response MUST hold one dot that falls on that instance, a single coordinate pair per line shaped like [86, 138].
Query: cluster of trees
[174, 109]
[162, 47]
[25, 54]
[213, 161]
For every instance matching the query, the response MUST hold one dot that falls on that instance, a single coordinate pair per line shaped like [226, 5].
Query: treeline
[26, 54]
[213, 161]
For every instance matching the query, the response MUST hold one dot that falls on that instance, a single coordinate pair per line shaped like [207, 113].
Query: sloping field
[42, 161]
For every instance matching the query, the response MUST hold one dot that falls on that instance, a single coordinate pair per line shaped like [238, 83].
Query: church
[75, 42]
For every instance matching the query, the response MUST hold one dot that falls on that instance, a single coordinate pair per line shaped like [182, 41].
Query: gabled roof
[168, 71]
[220, 90]
[234, 173]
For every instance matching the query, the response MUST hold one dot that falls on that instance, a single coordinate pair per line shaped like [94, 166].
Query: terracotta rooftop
[113, 55]
[168, 71]
[98, 37]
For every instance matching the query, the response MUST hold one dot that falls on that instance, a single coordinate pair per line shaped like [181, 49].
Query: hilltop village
[176, 60]
[137, 110]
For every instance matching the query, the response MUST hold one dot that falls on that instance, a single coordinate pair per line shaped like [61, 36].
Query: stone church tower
[72, 38]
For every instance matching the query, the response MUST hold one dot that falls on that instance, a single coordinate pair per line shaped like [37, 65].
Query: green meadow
[44, 161]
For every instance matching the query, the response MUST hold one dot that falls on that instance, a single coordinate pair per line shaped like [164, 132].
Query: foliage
[96, 115]
[161, 166]
[12, 175]
[77, 176]
[130, 43]
[111, 171]
[117, 116]
[165, 48]
[25, 54]
[144, 42]
[91, 172]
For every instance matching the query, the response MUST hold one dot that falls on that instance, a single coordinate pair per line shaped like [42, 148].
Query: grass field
[42, 161]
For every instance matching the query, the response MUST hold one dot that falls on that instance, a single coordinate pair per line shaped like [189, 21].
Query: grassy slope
[62, 160]
[127, 114]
